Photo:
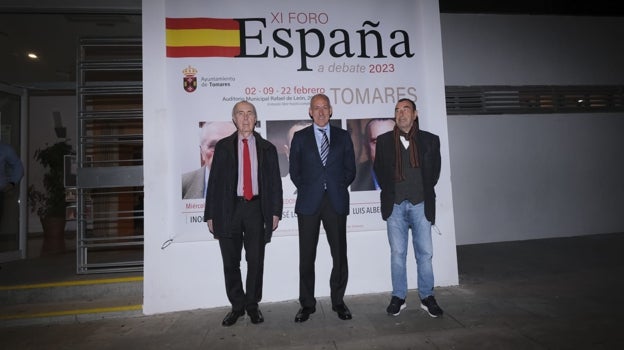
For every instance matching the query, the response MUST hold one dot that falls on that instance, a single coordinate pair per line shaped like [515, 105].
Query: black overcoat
[223, 180]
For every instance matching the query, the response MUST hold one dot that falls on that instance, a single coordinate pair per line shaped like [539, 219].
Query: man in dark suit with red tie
[243, 208]
[322, 166]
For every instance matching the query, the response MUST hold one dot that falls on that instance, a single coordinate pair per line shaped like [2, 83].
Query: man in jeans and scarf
[407, 166]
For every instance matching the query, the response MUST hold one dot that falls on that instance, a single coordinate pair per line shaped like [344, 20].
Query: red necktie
[247, 186]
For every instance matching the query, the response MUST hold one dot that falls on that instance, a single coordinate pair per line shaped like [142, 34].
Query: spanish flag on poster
[202, 37]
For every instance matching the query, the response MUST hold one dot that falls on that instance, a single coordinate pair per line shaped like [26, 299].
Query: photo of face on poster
[364, 133]
[195, 182]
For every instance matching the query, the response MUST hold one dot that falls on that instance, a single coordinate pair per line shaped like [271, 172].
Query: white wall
[532, 50]
[536, 176]
[519, 177]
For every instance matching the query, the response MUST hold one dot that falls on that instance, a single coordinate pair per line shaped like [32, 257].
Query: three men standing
[244, 204]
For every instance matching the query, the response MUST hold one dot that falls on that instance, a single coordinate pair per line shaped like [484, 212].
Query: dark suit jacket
[429, 154]
[223, 181]
[309, 175]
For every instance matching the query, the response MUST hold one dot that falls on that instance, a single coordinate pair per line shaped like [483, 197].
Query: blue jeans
[405, 216]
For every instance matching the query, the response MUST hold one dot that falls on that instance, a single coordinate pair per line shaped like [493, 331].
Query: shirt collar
[250, 138]
[326, 128]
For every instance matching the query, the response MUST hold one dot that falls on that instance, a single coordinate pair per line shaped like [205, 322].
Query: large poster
[277, 55]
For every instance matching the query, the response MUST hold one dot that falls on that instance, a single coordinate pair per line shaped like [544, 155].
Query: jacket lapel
[259, 150]
[332, 144]
[311, 140]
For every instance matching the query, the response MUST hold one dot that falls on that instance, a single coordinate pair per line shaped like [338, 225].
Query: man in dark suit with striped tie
[322, 166]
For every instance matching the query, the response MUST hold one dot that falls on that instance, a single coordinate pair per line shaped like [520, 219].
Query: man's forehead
[243, 107]
[404, 104]
[320, 101]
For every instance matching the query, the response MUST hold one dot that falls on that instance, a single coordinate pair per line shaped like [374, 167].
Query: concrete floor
[542, 294]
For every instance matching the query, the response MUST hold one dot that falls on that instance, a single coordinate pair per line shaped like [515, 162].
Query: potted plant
[50, 204]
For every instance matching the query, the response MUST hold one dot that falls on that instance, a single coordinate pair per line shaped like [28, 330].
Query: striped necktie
[324, 147]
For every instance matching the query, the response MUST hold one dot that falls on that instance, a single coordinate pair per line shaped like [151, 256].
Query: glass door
[13, 219]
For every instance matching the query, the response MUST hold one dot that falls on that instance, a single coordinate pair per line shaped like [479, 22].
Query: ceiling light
[33, 56]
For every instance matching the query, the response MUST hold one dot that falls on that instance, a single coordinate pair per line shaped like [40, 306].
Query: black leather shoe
[343, 312]
[255, 316]
[232, 317]
[304, 314]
